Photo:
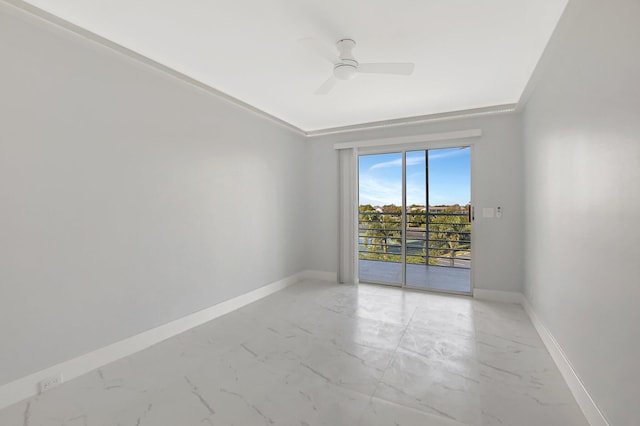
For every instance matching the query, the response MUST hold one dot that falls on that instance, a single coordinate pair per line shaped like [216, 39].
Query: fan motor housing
[346, 70]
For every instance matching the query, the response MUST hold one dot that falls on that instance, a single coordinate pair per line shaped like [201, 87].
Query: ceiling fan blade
[327, 86]
[387, 68]
[320, 49]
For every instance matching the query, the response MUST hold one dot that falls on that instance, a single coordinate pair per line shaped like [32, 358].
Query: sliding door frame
[403, 148]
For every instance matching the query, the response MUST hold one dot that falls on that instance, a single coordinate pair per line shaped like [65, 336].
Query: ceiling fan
[346, 67]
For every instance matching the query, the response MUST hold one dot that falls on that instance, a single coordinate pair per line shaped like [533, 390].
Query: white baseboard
[587, 405]
[27, 386]
[497, 295]
[585, 402]
[319, 275]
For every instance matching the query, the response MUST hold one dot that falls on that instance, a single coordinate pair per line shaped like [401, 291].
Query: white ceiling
[468, 53]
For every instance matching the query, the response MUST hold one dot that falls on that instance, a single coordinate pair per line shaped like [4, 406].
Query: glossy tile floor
[328, 354]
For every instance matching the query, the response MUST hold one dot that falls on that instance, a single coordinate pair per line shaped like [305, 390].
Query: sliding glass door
[380, 219]
[415, 219]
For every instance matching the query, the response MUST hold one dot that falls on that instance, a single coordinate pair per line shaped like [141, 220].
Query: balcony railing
[432, 238]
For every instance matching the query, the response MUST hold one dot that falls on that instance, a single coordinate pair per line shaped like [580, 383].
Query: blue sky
[449, 177]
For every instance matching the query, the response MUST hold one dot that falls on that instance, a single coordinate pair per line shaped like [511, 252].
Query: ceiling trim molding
[49, 18]
[497, 109]
[433, 137]
[75, 29]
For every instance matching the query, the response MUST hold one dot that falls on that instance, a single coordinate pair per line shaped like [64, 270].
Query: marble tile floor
[319, 353]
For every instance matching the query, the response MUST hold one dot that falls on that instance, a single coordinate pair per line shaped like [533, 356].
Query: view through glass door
[427, 244]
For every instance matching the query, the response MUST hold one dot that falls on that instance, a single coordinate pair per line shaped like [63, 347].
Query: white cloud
[435, 154]
[411, 161]
[379, 192]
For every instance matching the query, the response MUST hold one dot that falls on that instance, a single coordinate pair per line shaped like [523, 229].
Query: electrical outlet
[51, 382]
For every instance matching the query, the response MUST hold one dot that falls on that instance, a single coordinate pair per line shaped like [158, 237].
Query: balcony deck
[428, 277]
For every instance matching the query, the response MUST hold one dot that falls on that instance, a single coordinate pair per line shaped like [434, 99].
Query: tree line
[431, 236]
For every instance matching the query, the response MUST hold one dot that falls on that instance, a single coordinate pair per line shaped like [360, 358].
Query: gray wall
[582, 162]
[497, 180]
[127, 198]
